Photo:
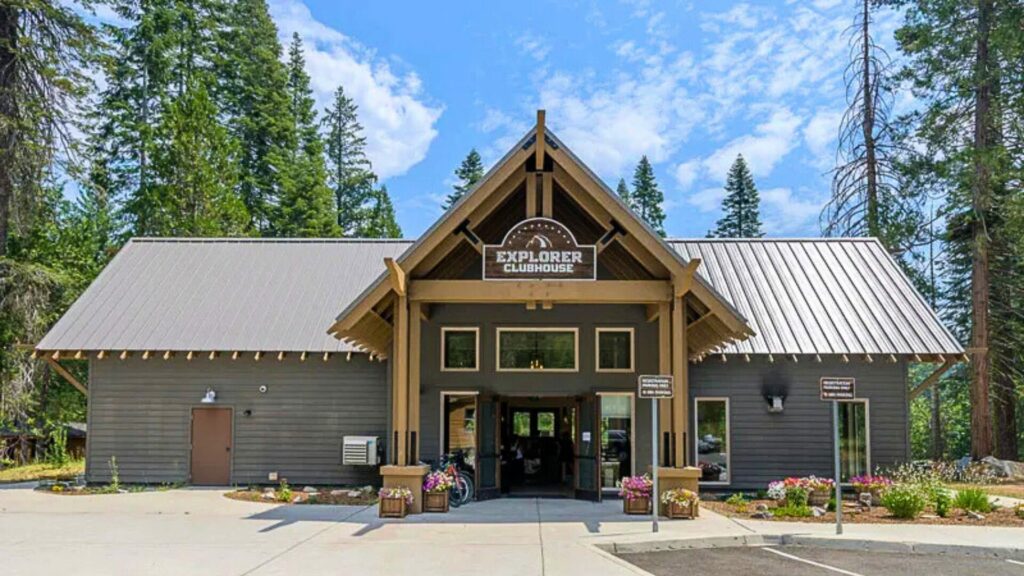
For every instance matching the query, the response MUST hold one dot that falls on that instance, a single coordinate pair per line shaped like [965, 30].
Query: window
[460, 349]
[854, 440]
[616, 438]
[614, 349]
[712, 425]
[526, 349]
[458, 424]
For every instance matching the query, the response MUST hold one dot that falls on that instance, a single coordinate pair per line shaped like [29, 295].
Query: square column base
[410, 477]
[669, 478]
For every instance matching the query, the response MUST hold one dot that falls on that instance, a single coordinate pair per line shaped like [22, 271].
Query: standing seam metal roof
[814, 296]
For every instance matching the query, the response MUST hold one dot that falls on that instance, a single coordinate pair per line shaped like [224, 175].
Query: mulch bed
[324, 496]
[876, 515]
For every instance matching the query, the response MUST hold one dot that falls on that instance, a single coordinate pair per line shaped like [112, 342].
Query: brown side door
[211, 446]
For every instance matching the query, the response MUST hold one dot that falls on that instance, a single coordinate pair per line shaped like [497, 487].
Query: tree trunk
[1005, 418]
[8, 109]
[981, 422]
[868, 127]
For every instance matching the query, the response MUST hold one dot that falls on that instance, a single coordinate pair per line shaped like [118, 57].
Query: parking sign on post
[654, 387]
[836, 390]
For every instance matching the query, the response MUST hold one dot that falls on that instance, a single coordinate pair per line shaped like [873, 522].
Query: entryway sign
[838, 388]
[539, 249]
[655, 386]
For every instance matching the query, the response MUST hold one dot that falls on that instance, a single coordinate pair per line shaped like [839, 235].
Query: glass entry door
[616, 439]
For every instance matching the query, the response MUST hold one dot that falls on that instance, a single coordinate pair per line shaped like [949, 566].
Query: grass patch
[42, 471]
[1008, 490]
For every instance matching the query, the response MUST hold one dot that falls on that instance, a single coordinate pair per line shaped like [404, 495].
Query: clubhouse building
[513, 331]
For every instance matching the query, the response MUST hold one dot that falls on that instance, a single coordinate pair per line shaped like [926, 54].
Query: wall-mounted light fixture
[775, 405]
[210, 397]
[774, 389]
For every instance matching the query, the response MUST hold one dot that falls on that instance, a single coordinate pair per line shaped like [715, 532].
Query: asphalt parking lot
[807, 561]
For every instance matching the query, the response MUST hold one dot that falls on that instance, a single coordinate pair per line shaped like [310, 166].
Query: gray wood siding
[798, 441]
[139, 411]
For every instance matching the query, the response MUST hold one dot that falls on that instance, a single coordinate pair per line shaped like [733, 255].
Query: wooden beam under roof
[540, 145]
[67, 376]
[396, 275]
[596, 292]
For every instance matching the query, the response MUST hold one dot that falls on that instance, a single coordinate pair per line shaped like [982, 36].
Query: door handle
[227, 448]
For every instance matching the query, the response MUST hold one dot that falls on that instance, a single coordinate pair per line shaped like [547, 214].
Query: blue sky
[688, 83]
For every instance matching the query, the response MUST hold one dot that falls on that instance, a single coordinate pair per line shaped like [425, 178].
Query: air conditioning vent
[359, 451]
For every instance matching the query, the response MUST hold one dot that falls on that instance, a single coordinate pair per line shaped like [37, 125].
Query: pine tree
[623, 191]
[350, 175]
[469, 173]
[254, 96]
[741, 205]
[379, 219]
[647, 197]
[195, 172]
[306, 207]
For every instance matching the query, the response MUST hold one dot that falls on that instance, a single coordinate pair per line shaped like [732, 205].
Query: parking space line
[811, 562]
[1017, 562]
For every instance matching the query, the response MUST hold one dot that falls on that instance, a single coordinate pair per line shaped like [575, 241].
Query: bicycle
[462, 490]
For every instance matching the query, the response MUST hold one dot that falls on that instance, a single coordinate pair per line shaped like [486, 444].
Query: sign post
[835, 390]
[654, 387]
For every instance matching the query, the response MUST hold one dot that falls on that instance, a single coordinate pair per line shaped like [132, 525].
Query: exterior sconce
[775, 406]
[210, 397]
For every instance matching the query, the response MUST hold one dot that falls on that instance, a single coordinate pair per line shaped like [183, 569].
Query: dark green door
[488, 441]
[588, 449]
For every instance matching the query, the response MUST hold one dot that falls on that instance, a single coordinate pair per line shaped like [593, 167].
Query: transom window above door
[460, 349]
[538, 349]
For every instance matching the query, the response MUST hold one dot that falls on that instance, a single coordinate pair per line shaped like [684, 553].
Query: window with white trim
[460, 349]
[711, 420]
[614, 349]
[854, 439]
[538, 349]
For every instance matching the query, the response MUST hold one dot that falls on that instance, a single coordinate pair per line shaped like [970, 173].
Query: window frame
[632, 432]
[728, 437]
[632, 349]
[867, 431]
[576, 348]
[476, 347]
[441, 427]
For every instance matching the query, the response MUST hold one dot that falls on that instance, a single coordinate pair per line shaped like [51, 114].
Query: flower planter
[676, 510]
[435, 502]
[393, 508]
[636, 505]
[819, 498]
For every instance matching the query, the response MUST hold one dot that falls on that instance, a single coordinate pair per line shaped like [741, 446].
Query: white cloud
[398, 120]
[707, 200]
[687, 172]
[785, 213]
[533, 45]
[763, 149]
[820, 134]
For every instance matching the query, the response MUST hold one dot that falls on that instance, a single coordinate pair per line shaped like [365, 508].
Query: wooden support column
[547, 194]
[400, 381]
[664, 367]
[531, 195]
[680, 376]
[415, 330]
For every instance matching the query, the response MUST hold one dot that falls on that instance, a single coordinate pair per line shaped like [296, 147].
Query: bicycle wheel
[467, 486]
[455, 495]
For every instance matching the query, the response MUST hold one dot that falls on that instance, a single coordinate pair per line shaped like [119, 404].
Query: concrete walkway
[200, 531]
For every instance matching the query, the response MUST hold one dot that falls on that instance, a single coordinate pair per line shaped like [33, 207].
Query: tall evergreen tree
[741, 205]
[469, 172]
[647, 197]
[195, 172]
[254, 95]
[306, 207]
[350, 176]
[379, 219]
[623, 191]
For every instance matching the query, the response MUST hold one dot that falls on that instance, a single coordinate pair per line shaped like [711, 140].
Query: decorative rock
[975, 515]
[762, 515]
[928, 516]
[339, 492]
[353, 493]
[268, 495]
[761, 508]
[310, 490]
[296, 499]
[817, 511]
[367, 488]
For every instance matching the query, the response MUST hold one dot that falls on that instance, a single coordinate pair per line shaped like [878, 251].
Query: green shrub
[762, 494]
[736, 499]
[973, 499]
[942, 502]
[115, 477]
[57, 448]
[797, 497]
[284, 491]
[791, 511]
[905, 501]
[1019, 511]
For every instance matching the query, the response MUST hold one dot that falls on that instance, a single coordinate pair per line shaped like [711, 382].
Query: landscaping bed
[874, 515]
[284, 494]
[42, 471]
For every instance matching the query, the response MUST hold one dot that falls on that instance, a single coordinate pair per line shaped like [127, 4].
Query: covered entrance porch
[521, 294]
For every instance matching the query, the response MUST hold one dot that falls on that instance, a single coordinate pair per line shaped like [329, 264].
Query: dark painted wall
[139, 411]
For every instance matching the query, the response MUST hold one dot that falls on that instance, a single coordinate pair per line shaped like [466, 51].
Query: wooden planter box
[393, 508]
[435, 502]
[636, 506]
[677, 511]
[818, 498]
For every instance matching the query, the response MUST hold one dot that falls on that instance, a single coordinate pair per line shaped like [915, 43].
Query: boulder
[310, 490]
[353, 493]
[340, 492]
[975, 515]
[268, 495]
[761, 508]
[1004, 468]
[817, 511]
[762, 515]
